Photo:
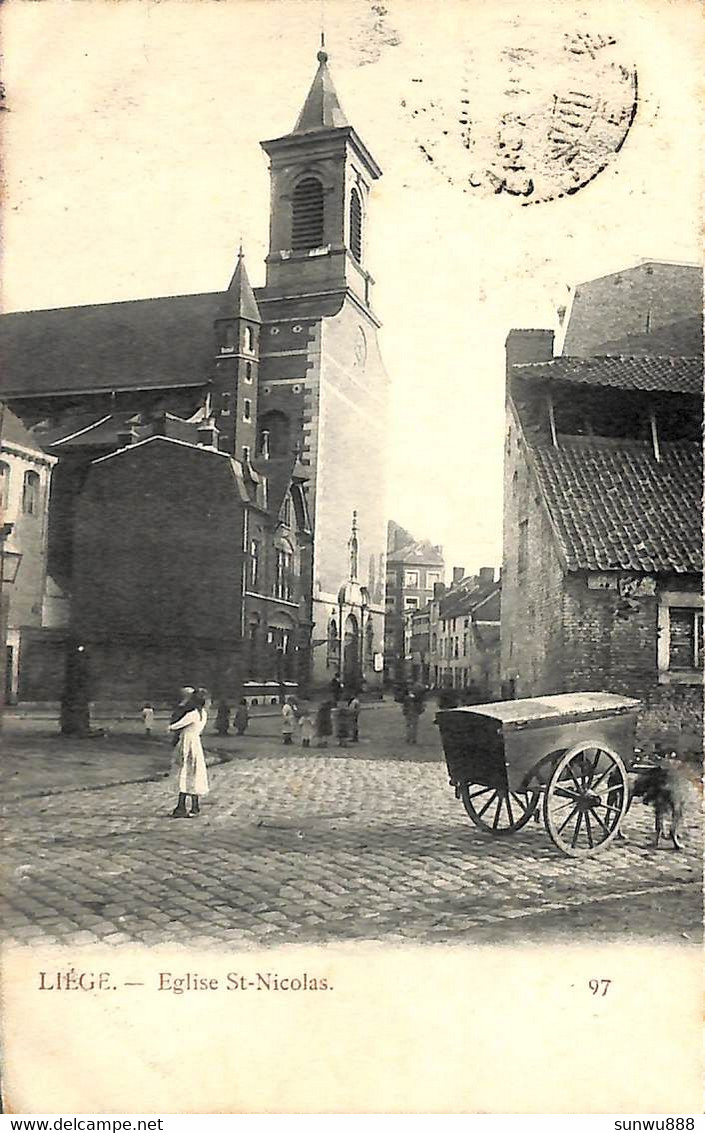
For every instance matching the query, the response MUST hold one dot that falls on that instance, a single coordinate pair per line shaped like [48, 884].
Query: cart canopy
[563, 708]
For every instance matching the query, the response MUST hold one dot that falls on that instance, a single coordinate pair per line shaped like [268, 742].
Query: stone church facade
[283, 391]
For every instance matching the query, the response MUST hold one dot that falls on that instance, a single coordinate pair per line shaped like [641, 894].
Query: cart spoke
[509, 809]
[577, 830]
[602, 824]
[482, 791]
[562, 828]
[588, 829]
[488, 804]
[495, 823]
[606, 806]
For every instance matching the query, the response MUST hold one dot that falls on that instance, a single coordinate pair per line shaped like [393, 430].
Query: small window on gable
[307, 215]
[356, 225]
[245, 452]
[30, 493]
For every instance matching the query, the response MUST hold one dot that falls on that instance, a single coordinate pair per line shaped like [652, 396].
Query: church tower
[234, 398]
[323, 390]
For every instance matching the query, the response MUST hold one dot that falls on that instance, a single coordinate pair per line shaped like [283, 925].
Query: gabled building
[288, 375]
[190, 567]
[602, 576]
[413, 569]
[465, 635]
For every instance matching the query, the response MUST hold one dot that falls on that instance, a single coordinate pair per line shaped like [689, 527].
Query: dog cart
[565, 756]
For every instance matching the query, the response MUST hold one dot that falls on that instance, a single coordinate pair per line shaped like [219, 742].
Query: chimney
[126, 436]
[458, 575]
[208, 433]
[486, 575]
[439, 590]
[523, 346]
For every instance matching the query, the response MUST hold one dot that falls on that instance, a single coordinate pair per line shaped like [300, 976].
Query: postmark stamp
[538, 121]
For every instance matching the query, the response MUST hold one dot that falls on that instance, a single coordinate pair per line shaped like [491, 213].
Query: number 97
[599, 987]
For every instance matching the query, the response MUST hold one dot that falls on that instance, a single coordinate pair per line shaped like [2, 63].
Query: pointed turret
[322, 109]
[239, 300]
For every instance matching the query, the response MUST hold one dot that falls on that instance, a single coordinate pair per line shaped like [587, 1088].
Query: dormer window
[307, 215]
[356, 225]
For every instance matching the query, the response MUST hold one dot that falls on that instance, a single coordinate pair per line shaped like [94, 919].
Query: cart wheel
[585, 800]
[498, 810]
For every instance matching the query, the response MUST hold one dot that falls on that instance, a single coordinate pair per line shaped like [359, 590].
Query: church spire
[322, 109]
[239, 301]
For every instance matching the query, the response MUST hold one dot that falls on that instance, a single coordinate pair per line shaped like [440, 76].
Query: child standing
[242, 717]
[354, 710]
[306, 725]
[288, 721]
[148, 718]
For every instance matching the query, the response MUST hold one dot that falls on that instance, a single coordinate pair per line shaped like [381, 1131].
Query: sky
[133, 169]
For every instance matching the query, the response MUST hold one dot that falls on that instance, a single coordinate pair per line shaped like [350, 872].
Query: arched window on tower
[249, 340]
[356, 225]
[307, 215]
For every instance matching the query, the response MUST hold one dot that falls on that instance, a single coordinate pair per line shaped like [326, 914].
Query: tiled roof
[139, 344]
[464, 600]
[615, 507]
[667, 374]
[422, 553]
[322, 109]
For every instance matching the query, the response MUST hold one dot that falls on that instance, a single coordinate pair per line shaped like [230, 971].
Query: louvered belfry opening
[307, 226]
[356, 225]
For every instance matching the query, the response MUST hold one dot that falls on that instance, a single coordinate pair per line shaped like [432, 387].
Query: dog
[665, 786]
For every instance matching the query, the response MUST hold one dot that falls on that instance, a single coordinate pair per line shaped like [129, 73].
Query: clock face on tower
[360, 347]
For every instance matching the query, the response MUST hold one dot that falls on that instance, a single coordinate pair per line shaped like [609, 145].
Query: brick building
[602, 576]
[289, 375]
[33, 612]
[413, 569]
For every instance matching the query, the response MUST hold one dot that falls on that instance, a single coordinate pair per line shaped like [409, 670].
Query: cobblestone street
[363, 843]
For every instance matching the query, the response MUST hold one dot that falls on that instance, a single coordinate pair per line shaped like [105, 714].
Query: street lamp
[364, 603]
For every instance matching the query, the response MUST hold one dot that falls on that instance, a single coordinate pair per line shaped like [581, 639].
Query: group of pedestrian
[331, 718]
[240, 719]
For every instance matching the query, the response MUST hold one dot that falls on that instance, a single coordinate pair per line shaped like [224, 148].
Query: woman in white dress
[193, 779]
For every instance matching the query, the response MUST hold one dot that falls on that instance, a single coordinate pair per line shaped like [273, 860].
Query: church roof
[239, 300]
[322, 109]
[139, 344]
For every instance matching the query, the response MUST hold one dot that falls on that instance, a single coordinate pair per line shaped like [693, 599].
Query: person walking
[336, 689]
[412, 707]
[354, 714]
[193, 778]
[288, 721]
[148, 719]
[222, 718]
[242, 717]
[341, 717]
[324, 723]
